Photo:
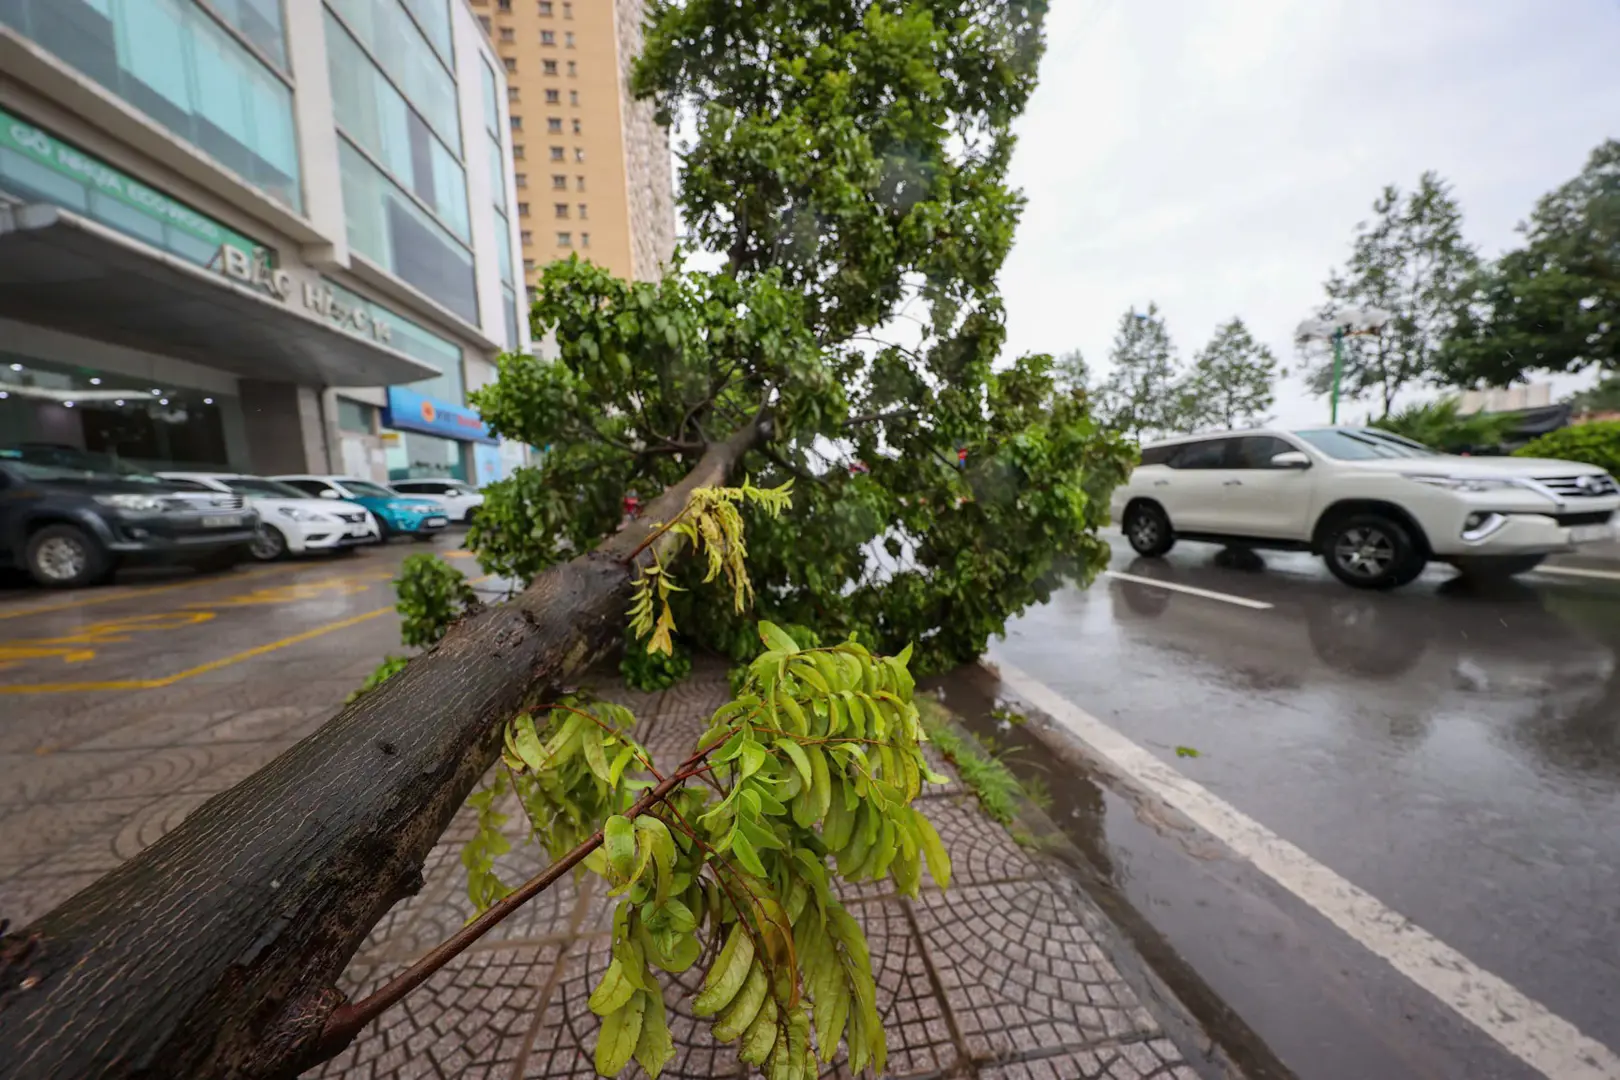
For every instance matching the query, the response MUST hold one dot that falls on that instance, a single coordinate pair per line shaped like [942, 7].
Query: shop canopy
[63, 271]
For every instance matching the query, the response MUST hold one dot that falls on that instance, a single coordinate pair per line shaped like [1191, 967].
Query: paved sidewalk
[1004, 975]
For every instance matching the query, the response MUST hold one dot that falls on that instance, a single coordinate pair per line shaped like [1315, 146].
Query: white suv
[1375, 506]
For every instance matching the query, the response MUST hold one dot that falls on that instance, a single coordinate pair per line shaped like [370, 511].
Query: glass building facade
[174, 62]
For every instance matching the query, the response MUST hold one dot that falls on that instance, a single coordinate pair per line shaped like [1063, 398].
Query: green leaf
[746, 855]
[621, 1032]
[613, 992]
[619, 840]
[595, 756]
[654, 1048]
[933, 849]
[776, 639]
[801, 760]
[1186, 751]
[527, 743]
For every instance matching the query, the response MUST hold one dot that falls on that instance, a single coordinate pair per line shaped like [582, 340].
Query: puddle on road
[1104, 840]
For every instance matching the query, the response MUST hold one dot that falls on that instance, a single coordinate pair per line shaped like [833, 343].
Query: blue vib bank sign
[409, 411]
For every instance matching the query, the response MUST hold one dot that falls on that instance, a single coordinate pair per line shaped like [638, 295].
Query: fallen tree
[215, 952]
[936, 492]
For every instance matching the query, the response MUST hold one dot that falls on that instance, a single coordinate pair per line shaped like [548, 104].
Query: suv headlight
[138, 503]
[1468, 483]
[299, 515]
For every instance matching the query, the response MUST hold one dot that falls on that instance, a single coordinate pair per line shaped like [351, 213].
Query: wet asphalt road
[1456, 753]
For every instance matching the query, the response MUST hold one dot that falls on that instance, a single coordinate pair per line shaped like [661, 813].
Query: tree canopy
[849, 160]
[1412, 261]
[1142, 395]
[1231, 383]
[1552, 304]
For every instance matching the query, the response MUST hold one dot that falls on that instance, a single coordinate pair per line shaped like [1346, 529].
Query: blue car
[396, 514]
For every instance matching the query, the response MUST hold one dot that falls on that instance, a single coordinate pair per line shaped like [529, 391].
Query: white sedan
[460, 501]
[292, 522]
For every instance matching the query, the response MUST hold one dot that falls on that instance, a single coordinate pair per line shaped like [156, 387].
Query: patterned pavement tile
[1154, 1058]
[472, 1020]
[981, 851]
[24, 899]
[1022, 971]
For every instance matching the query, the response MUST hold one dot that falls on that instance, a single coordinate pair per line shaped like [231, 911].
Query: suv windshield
[29, 471]
[258, 485]
[1356, 445]
[67, 462]
[1417, 448]
[368, 489]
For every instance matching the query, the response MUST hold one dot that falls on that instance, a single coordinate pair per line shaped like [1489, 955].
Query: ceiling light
[208, 401]
[3, 394]
[16, 367]
[163, 401]
[94, 381]
[156, 391]
[67, 404]
[120, 401]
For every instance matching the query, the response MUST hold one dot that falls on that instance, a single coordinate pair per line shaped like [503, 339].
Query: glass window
[173, 62]
[553, 97]
[38, 166]
[400, 49]
[258, 486]
[311, 487]
[509, 64]
[411, 453]
[560, 210]
[1256, 451]
[1353, 445]
[414, 341]
[547, 67]
[433, 16]
[503, 246]
[1158, 455]
[365, 488]
[547, 37]
[511, 318]
[565, 239]
[355, 416]
[497, 174]
[492, 108]
[386, 226]
[376, 116]
[260, 22]
[1207, 454]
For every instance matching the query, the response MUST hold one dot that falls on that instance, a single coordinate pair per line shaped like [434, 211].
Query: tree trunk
[215, 952]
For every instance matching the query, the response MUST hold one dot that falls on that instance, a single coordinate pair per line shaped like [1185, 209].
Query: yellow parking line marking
[200, 669]
[132, 591]
[212, 665]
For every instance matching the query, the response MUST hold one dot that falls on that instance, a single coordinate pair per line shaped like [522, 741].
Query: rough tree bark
[215, 952]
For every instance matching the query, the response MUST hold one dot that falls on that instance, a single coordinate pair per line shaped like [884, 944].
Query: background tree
[1413, 262]
[1554, 303]
[1142, 395]
[1070, 372]
[1232, 380]
[1602, 398]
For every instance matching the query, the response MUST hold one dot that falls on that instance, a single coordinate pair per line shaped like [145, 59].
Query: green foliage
[1595, 444]
[1142, 395]
[645, 670]
[391, 666]
[1412, 262]
[1602, 398]
[984, 773]
[432, 594]
[1554, 303]
[1231, 382]
[850, 159]
[1438, 424]
[814, 767]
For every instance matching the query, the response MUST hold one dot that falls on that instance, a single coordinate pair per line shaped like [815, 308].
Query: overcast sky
[1214, 156]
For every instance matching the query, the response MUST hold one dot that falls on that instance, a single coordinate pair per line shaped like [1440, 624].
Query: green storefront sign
[52, 153]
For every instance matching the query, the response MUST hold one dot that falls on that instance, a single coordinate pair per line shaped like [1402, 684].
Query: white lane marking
[1527, 1029]
[1226, 598]
[1579, 571]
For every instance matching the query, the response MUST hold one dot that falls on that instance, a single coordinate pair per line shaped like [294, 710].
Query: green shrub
[1595, 444]
[649, 671]
[432, 595]
[1441, 425]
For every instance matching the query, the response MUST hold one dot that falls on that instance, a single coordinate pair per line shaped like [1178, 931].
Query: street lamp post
[1352, 322]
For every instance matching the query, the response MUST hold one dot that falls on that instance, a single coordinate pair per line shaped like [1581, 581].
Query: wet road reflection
[1451, 750]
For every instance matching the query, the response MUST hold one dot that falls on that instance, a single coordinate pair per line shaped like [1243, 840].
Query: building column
[285, 428]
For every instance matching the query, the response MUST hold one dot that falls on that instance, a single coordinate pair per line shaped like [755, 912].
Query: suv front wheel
[65, 557]
[1148, 530]
[1371, 551]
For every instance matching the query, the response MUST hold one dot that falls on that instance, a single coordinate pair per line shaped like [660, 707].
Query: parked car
[460, 501]
[71, 522]
[291, 523]
[396, 514]
[1377, 507]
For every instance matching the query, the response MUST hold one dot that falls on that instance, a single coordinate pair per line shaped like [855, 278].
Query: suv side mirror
[328, 493]
[1291, 459]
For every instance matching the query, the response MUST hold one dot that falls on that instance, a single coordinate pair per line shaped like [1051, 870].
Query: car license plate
[221, 521]
[1590, 534]
[436, 522]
